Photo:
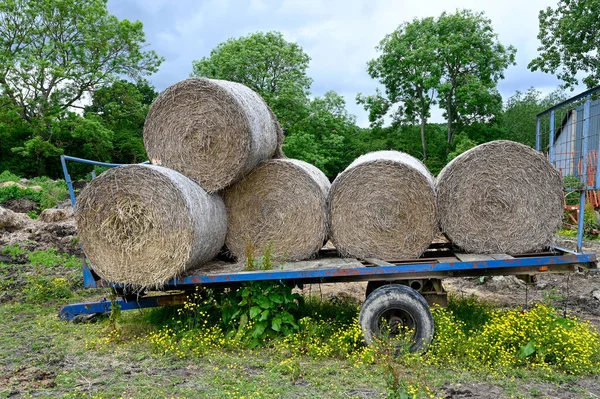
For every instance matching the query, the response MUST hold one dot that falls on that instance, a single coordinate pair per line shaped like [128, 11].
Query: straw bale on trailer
[282, 204]
[383, 206]
[212, 131]
[500, 197]
[143, 225]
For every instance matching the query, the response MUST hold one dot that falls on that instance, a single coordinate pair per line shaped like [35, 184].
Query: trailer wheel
[398, 307]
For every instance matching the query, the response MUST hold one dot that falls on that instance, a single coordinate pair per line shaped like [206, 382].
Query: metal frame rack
[569, 134]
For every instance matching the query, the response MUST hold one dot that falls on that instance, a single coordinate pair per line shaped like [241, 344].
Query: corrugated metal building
[568, 141]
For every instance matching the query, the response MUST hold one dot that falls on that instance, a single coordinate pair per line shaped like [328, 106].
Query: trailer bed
[438, 262]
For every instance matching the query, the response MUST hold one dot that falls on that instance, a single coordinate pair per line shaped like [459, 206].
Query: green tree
[53, 52]
[122, 107]
[327, 137]
[13, 132]
[463, 143]
[454, 60]
[268, 64]
[518, 120]
[570, 42]
[407, 138]
[410, 73]
[473, 61]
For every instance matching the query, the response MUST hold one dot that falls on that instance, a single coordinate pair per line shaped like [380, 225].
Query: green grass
[41, 356]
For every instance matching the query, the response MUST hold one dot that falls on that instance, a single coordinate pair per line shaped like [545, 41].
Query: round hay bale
[212, 131]
[383, 206]
[143, 225]
[500, 197]
[280, 205]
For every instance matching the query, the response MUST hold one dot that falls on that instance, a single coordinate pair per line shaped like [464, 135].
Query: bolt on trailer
[399, 292]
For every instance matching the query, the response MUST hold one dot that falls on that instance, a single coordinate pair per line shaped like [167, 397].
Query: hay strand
[212, 131]
[143, 225]
[383, 206]
[500, 197]
[281, 205]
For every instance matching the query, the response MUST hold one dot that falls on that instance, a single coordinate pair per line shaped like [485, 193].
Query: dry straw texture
[142, 225]
[500, 197]
[383, 206]
[282, 204]
[212, 131]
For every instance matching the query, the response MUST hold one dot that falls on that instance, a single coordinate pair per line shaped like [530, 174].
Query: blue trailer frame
[440, 262]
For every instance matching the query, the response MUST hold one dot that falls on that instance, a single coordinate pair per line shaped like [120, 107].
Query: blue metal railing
[65, 158]
[581, 139]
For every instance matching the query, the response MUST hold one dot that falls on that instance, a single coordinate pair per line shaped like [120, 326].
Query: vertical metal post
[537, 135]
[584, 185]
[93, 174]
[552, 137]
[68, 180]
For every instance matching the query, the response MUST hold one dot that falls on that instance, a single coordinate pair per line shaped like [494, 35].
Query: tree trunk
[450, 133]
[41, 169]
[423, 121]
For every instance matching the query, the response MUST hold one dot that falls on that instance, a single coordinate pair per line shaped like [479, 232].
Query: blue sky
[339, 36]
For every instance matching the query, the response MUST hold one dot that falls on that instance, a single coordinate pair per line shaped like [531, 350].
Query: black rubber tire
[400, 302]
[373, 285]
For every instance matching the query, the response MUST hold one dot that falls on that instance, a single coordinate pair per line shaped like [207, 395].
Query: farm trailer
[398, 293]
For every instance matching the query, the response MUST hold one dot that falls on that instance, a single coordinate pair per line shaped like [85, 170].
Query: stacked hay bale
[281, 206]
[212, 131]
[142, 224]
[500, 197]
[383, 206]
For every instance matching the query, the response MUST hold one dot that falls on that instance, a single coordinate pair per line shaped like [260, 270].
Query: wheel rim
[396, 322]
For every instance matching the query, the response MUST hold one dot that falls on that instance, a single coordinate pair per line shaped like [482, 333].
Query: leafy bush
[15, 192]
[539, 338]
[51, 193]
[590, 224]
[8, 176]
[469, 335]
[260, 310]
[198, 327]
[41, 289]
[472, 311]
[568, 233]
[462, 144]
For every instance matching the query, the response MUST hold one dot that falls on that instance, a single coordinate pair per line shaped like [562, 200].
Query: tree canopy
[409, 71]
[327, 137]
[72, 80]
[54, 53]
[519, 117]
[570, 42]
[454, 60]
[122, 107]
[473, 61]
